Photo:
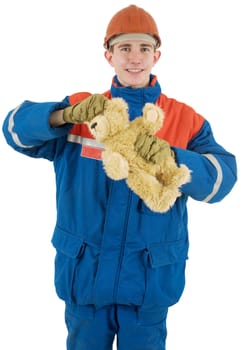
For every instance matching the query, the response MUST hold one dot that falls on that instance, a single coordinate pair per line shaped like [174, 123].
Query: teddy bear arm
[115, 165]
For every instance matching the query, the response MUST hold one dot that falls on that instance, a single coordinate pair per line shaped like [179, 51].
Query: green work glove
[152, 149]
[85, 110]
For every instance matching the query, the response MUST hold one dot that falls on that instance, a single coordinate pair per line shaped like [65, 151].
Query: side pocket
[69, 249]
[76, 265]
[166, 264]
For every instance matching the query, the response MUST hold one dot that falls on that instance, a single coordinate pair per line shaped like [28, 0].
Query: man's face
[133, 62]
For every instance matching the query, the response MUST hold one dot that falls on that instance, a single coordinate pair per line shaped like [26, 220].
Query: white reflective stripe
[84, 141]
[219, 179]
[12, 133]
[74, 138]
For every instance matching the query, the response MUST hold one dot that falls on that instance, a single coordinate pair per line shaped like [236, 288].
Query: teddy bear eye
[93, 126]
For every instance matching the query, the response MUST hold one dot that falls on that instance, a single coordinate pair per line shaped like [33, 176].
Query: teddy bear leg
[116, 167]
[148, 188]
[184, 175]
[171, 181]
[162, 200]
[174, 175]
[157, 196]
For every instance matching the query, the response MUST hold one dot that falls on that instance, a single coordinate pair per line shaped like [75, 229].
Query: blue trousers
[95, 329]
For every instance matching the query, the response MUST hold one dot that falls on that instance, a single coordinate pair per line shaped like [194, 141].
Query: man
[119, 266]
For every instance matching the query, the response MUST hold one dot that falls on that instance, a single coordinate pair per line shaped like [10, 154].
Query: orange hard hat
[132, 19]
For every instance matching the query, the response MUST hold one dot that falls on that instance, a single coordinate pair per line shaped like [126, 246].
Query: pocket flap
[162, 254]
[66, 243]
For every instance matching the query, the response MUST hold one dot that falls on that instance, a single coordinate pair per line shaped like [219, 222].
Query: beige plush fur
[156, 184]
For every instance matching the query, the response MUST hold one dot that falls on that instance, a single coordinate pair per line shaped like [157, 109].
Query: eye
[145, 49]
[125, 49]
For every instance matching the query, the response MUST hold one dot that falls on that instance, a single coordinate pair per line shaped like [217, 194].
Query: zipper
[122, 249]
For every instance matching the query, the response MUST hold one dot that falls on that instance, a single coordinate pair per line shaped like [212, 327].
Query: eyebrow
[129, 45]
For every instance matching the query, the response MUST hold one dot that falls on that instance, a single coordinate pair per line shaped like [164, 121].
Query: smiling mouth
[135, 70]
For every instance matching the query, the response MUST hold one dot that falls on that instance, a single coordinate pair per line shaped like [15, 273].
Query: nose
[135, 56]
[93, 125]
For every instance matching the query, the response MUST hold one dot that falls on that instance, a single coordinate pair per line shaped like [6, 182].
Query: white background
[50, 49]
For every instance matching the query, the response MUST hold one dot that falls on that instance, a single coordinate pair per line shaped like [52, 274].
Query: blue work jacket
[110, 247]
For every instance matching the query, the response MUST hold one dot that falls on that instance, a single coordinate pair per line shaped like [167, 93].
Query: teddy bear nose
[93, 125]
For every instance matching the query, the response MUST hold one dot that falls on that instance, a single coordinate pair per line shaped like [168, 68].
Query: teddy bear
[156, 184]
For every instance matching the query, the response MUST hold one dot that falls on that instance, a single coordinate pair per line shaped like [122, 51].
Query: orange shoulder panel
[79, 96]
[181, 122]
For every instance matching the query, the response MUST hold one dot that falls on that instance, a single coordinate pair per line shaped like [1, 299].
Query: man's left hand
[153, 149]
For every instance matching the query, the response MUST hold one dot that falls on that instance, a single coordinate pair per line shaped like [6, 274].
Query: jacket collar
[136, 98]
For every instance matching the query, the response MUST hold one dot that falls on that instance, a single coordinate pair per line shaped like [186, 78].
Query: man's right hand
[85, 110]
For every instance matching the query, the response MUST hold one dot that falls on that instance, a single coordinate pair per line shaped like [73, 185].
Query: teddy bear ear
[118, 104]
[154, 115]
[117, 109]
